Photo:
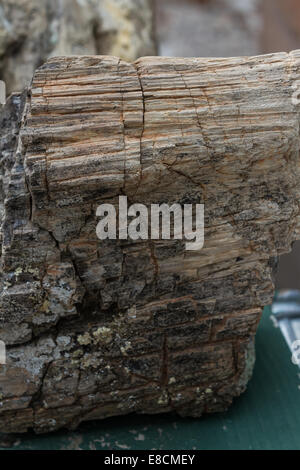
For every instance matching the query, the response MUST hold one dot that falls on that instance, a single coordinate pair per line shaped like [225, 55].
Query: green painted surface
[267, 416]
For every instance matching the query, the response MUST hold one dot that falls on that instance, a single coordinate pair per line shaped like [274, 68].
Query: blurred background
[33, 30]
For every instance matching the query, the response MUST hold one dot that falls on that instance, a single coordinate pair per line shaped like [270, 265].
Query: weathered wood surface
[95, 329]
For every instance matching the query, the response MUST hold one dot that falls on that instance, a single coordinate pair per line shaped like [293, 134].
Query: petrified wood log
[99, 328]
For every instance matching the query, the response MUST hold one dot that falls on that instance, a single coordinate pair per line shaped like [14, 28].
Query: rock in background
[208, 28]
[34, 30]
[281, 25]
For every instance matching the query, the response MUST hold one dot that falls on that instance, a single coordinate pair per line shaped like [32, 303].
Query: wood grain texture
[100, 328]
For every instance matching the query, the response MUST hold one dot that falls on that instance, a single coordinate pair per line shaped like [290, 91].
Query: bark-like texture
[33, 30]
[95, 328]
